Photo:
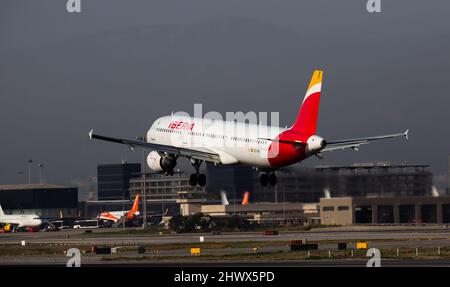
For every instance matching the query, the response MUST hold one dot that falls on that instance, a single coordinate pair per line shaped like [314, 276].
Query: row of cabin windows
[241, 139]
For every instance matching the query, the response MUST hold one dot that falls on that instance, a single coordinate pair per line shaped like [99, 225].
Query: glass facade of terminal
[48, 201]
[113, 180]
[160, 187]
[308, 184]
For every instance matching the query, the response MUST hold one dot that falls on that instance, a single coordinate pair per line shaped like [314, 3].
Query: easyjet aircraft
[229, 142]
[116, 215]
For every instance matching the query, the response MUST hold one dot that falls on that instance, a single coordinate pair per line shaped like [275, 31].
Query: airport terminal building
[47, 200]
[113, 180]
[308, 184]
[160, 187]
[354, 194]
[385, 210]
[162, 193]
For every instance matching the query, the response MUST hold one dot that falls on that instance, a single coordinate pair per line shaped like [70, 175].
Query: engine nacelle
[160, 163]
[315, 144]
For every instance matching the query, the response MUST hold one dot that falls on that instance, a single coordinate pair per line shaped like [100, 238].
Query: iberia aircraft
[229, 142]
[116, 215]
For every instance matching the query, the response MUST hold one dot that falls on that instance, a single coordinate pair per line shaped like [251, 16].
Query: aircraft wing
[203, 154]
[355, 143]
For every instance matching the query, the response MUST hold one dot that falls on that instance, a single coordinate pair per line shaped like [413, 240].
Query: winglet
[406, 134]
[90, 134]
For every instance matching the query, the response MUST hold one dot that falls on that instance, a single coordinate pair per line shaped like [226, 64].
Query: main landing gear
[268, 178]
[197, 178]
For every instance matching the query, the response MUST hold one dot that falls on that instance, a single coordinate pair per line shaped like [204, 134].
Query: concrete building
[358, 180]
[47, 200]
[190, 202]
[113, 180]
[380, 179]
[384, 210]
[262, 213]
[162, 191]
[235, 180]
[309, 184]
[160, 187]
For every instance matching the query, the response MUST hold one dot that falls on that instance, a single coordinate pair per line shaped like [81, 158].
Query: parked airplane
[228, 142]
[20, 220]
[116, 215]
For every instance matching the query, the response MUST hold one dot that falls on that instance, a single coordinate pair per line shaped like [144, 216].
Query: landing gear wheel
[273, 179]
[201, 178]
[193, 179]
[264, 178]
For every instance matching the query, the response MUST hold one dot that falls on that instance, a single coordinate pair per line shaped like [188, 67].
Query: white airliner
[21, 220]
[228, 142]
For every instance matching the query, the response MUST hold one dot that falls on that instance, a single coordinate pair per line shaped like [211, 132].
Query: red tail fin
[135, 207]
[245, 199]
[306, 122]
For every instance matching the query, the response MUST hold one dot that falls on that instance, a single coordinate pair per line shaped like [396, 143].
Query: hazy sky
[118, 65]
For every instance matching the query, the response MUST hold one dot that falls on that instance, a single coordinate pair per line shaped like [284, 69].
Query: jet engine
[315, 144]
[161, 163]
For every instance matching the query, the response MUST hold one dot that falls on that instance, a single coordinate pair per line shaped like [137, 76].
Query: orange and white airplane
[116, 215]
[230, 143]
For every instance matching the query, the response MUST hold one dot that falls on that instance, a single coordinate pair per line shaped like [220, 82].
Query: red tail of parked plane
[246, 198]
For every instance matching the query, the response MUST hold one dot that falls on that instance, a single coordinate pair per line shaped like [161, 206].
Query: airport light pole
[276, 194]
[123, 209]
[30, 161]
[40, 165]
[144, 185]
[144, 197]
[162, 202]
[284, 203]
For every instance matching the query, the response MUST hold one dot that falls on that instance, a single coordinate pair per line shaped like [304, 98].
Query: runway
[77, 237]
[241, 245]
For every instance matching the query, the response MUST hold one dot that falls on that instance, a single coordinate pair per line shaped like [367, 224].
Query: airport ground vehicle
[85, 224]
[49, 228]
[270, 232]
[60, 224]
